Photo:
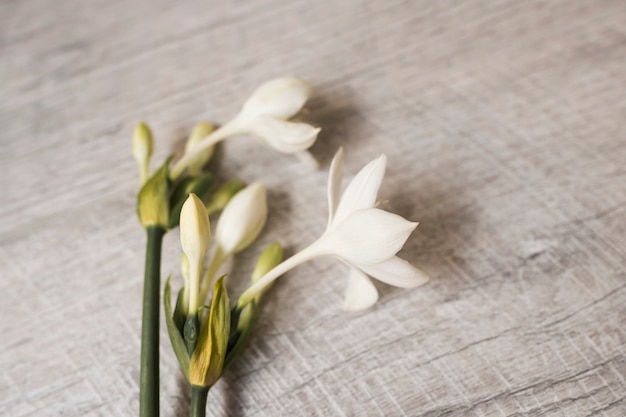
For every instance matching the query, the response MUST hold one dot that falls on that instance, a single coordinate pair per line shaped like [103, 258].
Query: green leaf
[176, 338]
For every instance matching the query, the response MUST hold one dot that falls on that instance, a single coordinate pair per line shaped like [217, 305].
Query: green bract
[207, 360]
[153, 200]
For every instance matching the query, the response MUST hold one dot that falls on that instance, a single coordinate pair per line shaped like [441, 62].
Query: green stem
[198, 401]
[149, 376]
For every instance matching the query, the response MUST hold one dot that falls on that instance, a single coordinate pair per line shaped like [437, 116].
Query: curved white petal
[360, 292]
[242, 219]
[286, 137]
[334, 184]
[362, 190]
[396, 272]
[281, 98]
[367, 237]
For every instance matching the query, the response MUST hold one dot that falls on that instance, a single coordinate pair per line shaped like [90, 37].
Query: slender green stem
[198, 401]
[149, 379]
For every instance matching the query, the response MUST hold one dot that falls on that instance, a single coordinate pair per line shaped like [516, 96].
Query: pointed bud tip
[195, 232]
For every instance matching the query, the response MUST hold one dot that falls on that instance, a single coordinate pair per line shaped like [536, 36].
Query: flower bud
[195, 233]
[222, 196]
[195, 239]
[271, 256]
[142, 149]
[242, 219]
[200, 131]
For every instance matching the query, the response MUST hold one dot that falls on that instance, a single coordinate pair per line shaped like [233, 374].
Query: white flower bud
[142, 149]
[195, 239]
[200, 131]
[195, 233]
[242, 219]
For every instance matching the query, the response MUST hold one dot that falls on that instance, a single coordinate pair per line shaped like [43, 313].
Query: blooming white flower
[365, 238]
[264, 115]
[239, 225]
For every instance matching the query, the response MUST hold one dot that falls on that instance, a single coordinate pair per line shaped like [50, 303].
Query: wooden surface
[505, 127]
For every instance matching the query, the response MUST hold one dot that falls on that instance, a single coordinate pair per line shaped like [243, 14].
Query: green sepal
[153, 199]
[200, 186]
[179, 315]
[240, 336]
[176, 338]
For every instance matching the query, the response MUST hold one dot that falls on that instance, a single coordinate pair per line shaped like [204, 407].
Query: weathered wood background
[505, 127]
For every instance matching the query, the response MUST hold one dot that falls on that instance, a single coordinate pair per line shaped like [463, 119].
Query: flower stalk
[149, 370]
[198, 401]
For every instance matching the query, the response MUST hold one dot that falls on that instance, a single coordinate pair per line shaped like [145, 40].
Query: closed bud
[195, 233]
[271, 256]
[195, 239]
[242, 219]
[200, 131]
[143, 145]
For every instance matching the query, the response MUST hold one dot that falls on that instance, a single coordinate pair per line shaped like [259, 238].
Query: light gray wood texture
[505, 127]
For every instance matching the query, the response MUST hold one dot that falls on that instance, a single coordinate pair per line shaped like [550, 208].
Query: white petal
[334, 183]
[362, 190]
[280, 98]
[367, 237]
[396, 272]
[243, 219]
[286, 137]
[360, 292]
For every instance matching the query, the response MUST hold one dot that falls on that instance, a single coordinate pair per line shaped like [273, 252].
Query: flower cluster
[206, 332]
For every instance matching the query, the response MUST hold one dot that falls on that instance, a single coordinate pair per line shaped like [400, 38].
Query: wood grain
[504, 124]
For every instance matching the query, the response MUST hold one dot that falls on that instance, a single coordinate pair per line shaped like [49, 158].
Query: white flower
[264, 115]
[239, 225]
[365, 238]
